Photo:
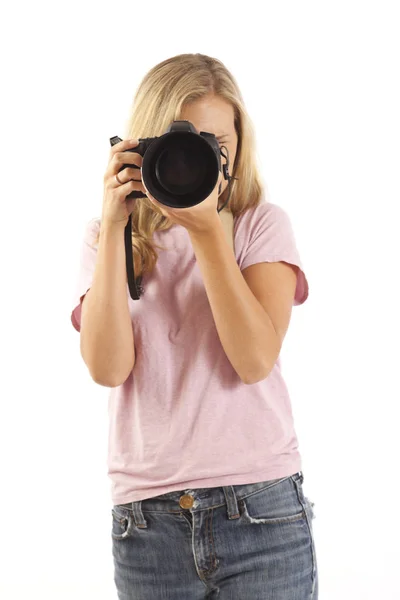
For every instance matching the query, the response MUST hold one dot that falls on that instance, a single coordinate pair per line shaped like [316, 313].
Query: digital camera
[180, 168]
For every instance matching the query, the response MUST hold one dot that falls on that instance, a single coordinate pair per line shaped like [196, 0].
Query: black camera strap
[135, 285]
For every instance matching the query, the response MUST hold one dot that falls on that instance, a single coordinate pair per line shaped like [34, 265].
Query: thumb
[218, 185]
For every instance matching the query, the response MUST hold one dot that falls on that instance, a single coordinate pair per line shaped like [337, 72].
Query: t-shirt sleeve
[265, 234]
[87, 264]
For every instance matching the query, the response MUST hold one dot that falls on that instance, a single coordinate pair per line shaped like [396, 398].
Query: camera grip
[139, 149]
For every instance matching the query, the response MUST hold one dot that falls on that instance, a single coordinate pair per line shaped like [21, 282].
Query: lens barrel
[180, 168]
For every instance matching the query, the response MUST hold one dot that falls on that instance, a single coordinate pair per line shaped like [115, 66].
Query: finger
[130, 173]
[118, 161]
[219, 182]
[129, 157]
[113, 183]
[124, 145]
[127, 187]
[124, 176]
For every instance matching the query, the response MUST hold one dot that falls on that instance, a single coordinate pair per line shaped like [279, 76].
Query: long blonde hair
[159, 100]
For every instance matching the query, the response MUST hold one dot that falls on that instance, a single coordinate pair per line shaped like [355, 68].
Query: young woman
[206, 474]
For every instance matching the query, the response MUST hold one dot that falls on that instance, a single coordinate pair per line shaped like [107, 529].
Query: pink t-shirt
[184, 419]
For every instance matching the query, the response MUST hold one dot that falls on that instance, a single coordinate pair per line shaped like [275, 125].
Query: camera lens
[181, 168]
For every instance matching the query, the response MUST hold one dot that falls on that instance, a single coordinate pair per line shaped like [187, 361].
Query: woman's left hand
[195, 219]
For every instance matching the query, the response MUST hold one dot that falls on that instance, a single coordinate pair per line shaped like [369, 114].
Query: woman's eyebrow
[222, 136]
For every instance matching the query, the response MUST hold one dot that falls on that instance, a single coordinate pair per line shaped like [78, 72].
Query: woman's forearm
[244, 329]
[107, 344]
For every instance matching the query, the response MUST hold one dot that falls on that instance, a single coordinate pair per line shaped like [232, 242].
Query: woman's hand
[116, 208]
[195, 219]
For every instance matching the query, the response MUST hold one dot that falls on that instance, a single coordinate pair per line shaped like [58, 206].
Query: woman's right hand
[116, 209]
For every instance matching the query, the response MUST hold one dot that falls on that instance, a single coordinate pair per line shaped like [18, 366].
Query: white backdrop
[321, 83]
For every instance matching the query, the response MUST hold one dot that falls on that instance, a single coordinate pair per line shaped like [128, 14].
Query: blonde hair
[159, 100]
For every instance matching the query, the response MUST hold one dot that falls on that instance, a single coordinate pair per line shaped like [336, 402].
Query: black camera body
[180, 168]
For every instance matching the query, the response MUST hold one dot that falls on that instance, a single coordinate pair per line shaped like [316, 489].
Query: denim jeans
[240, 542]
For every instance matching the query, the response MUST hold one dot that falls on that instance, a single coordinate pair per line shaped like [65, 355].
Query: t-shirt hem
[240, 479]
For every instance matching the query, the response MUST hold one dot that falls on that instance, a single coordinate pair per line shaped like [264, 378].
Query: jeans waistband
[204, 498]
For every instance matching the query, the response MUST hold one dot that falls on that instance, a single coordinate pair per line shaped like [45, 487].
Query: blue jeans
[240, 542]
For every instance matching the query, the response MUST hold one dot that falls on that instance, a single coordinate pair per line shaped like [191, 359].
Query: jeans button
[186, 501]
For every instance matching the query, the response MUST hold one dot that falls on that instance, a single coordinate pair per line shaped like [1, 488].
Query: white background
[321, 83]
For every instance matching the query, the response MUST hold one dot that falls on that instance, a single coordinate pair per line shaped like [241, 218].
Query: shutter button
[186, 501]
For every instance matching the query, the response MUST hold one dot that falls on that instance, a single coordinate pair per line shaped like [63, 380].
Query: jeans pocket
[308, 504]
[310, 507]
[121, 523]
[276, 504]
